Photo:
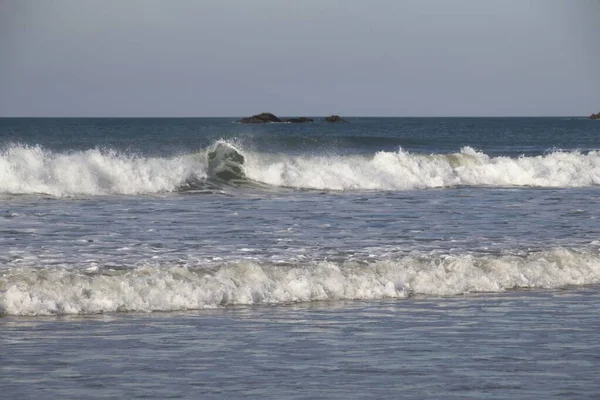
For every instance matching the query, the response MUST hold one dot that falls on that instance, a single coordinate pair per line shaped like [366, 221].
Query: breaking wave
[51, 291]
[402, 170]
[27, 170]
[32, 169]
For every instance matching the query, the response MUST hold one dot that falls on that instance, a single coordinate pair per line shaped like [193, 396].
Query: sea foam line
[45, 291]
[32, 169]
[402, 170]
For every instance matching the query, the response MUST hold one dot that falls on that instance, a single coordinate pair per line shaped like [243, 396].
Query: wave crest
[406, 171]
[32, 169]
[38, 291]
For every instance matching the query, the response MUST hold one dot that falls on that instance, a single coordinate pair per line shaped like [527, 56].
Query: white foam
[402, 170]
[44, 291]
[26, 169]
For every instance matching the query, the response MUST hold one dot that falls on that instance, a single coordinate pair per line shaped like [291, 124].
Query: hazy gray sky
[299, 57]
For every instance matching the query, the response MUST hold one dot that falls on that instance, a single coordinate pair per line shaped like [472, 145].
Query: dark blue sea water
[381, 258]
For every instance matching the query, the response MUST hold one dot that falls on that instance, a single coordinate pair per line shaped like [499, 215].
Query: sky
[203, 58]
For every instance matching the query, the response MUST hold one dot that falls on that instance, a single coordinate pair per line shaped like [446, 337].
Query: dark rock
[262, 118]
[298, 120]
[595, 116]
[335, 118]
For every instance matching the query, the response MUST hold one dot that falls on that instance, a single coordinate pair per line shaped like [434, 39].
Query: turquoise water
[386, 257]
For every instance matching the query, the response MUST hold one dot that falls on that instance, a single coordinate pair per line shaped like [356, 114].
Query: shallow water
[518, 345]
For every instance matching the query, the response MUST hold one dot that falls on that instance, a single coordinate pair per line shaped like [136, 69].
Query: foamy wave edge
[34, 170]
[403, 170]
[147, 288]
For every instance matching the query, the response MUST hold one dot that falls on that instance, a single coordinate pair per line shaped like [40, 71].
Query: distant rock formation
[334, 118]
[262, 118]
[595, 116]
[298, 120]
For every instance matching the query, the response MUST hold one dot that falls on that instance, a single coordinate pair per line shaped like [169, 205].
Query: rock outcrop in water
[261, 118]
[595, 116]
[298, 120]
[264, 118]
[334, 118]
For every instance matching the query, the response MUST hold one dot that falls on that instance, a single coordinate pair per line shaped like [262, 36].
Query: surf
[151, 287]
[28, 169]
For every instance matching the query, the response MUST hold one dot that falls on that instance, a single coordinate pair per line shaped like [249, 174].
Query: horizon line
[285, 116]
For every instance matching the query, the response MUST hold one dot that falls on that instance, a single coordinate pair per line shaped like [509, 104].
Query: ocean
[201, 258]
